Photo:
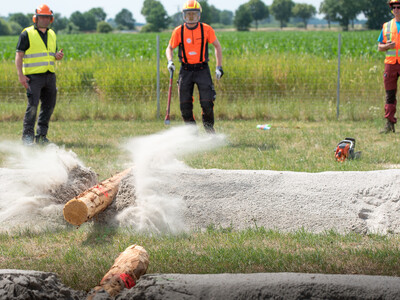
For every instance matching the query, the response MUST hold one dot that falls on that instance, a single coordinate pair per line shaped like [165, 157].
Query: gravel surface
[364, 202]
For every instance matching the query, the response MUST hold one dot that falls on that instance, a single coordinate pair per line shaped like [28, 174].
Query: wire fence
[302, 75]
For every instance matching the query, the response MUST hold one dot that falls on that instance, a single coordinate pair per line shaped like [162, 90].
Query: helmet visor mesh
[191, 15]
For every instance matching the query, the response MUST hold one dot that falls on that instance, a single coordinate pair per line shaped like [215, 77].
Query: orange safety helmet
[192, 5]
[391, 2]
[43, 10]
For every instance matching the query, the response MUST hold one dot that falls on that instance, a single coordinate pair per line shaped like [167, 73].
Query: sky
[67, 7]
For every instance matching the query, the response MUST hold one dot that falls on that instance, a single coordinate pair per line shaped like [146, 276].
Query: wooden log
[128, 267]
[92, 201]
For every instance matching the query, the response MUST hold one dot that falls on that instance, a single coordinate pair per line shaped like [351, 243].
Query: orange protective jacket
[194, 48]
[390, 34]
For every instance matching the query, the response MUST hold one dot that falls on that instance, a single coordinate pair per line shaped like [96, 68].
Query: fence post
[338, 78]
[158, 76]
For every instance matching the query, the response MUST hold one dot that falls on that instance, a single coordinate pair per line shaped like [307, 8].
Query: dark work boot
[27, 140]
[392, 127]
[209, 128]
[41, 139]
[389, 127]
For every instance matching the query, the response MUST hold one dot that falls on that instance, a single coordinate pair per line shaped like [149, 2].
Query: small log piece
[128, 267]
[92, 201]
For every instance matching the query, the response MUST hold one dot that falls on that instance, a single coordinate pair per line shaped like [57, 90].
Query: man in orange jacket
[193, 38]
[389, 41]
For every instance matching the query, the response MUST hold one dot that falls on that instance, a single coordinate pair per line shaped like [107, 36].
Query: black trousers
[41, 87]
[189, 75]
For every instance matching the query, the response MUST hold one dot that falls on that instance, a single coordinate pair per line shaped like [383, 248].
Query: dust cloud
[35, 182]
[156, 162]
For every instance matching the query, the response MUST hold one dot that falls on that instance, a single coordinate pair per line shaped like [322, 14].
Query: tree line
[253, 12]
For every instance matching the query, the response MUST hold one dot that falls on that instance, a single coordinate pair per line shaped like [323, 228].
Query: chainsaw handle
[351, 139]
[352, 142]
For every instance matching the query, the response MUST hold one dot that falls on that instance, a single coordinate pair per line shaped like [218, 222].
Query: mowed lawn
[287, 146]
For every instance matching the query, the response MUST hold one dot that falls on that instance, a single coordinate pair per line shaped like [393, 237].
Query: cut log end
[75, 212]
[93, 201]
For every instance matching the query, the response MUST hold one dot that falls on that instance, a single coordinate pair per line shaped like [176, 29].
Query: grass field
[82, 257]
[286, 79]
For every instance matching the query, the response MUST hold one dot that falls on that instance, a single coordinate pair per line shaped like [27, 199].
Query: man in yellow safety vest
[35, 62]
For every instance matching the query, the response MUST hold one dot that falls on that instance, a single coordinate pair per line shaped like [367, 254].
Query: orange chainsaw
[345, 149]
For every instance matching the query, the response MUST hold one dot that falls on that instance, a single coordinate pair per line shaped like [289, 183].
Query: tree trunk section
[92, 201]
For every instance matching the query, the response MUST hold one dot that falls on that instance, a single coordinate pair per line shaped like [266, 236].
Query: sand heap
[364, 202]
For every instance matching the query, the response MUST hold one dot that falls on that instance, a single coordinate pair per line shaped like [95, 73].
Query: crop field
[269, 75]
[142, 46]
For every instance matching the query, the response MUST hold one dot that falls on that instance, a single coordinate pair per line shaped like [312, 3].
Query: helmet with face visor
[191, 12]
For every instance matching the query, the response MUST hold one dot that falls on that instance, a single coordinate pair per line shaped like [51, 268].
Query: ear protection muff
[35, 15]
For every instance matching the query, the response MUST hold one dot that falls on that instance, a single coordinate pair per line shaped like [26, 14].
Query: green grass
[287, 146]
[81, 257]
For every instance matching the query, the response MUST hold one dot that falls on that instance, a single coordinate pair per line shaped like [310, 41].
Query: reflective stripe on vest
[39, 59]
[39, 55]
[390, 34]
[389, 30]
[38, 64]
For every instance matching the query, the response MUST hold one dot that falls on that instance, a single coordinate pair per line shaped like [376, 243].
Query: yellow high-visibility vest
[390, 34]
[39, 59]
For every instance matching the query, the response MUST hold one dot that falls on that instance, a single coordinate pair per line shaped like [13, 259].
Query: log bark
[128, 267]
[92, 201]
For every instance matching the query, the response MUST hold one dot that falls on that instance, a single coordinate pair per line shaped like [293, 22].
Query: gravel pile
[363, 202]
